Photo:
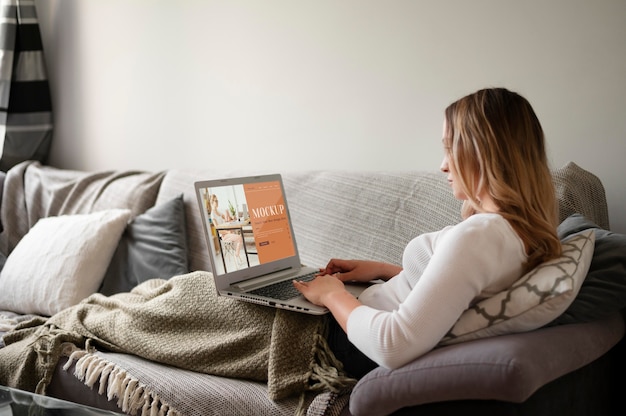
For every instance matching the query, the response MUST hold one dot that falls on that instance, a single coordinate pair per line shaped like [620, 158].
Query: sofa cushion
[189, 392]
[534, 300]
[508, 368]
[604, 290]
[60, 261]
[154, 245]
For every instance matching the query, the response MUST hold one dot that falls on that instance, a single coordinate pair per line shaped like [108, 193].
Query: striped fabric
[25, 104]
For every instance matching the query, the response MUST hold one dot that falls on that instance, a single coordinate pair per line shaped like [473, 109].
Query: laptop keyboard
[283, 290]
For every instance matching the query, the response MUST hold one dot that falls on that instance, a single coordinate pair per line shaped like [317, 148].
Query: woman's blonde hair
[496, 144]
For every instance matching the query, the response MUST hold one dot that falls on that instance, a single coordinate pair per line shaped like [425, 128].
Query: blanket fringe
[327, 371]
[326, 375]
[132, 396]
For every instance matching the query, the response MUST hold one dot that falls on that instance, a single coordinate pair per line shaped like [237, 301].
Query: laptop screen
[248, 223]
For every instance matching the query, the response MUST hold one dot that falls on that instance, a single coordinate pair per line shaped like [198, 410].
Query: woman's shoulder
[483, 220]
[481, 235]
[484, 225]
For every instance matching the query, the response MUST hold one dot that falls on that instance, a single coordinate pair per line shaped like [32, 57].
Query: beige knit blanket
[183, 323]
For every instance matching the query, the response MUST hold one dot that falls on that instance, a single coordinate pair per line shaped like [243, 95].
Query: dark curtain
[25, 104]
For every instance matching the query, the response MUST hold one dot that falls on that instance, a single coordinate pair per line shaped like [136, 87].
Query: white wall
[284, 85]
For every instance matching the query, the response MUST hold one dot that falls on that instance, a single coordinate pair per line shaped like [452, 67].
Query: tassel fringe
[326, 375]
[132, 396]
[327, 372]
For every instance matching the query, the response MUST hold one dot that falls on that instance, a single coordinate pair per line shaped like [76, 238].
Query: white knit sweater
[443, 273]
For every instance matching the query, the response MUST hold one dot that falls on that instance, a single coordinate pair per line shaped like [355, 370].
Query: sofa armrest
[507, 368]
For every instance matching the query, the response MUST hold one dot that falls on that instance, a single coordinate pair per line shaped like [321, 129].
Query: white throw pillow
[535, 300]
[60, 261]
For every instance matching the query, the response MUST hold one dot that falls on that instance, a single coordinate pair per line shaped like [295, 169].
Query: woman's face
[447, 166]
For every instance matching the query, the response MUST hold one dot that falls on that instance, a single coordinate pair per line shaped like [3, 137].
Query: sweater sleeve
[467, 259]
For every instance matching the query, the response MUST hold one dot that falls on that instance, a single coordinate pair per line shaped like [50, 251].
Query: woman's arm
[327, 290]
[474, 255]
[360, 270]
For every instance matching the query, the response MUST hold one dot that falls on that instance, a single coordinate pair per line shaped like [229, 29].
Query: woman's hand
[326, 290]
[318, 289]
[360, 270]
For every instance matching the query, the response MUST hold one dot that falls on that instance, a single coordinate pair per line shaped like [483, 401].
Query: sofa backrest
[338, 214]
[370, 215]
[366, 214]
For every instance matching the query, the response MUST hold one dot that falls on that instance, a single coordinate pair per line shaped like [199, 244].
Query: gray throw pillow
[603, 291]
[154, 245]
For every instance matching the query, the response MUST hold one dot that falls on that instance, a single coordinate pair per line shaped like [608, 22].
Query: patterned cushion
[534, 300]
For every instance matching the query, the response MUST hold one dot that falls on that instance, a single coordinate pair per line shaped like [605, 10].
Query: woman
[495, 161]
[219, 217]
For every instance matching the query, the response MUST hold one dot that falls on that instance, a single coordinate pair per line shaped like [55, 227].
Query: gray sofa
[568, 366]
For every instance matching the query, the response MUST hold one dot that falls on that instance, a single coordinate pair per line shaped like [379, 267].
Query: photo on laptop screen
[249, 225]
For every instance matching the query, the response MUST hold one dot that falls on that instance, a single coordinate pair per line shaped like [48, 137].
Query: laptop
[252, 246]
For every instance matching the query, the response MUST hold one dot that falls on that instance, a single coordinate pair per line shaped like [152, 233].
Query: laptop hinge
[258, 282]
